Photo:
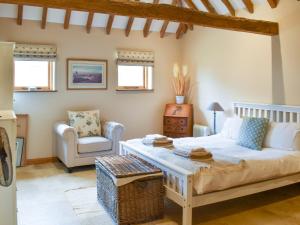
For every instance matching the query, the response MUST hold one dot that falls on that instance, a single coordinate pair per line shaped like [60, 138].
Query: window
[37, 75]
[135, 77]
[135, 70]
[34, 67]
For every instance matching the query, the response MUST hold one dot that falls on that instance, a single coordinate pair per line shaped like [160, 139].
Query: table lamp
[215, 107]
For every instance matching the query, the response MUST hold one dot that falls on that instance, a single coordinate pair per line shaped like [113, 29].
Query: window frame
[51, 78]
[145, 79]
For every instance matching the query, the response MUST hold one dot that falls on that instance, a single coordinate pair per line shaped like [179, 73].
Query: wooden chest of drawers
[178, 120]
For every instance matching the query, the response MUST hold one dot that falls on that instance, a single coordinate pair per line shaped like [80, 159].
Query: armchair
[74, 151]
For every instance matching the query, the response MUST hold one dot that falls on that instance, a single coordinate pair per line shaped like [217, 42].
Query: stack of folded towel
[157, 140]
[198, 153]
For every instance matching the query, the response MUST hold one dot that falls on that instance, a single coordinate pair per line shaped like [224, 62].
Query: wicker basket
[137, 202]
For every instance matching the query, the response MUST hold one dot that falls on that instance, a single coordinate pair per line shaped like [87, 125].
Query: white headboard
[276, 113]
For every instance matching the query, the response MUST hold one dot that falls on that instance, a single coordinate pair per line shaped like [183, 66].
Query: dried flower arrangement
[180, 80]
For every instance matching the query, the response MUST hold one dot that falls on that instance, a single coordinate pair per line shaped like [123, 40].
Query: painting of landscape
[87, 74]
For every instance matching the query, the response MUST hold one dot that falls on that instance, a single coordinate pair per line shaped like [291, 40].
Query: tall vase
[179, 99]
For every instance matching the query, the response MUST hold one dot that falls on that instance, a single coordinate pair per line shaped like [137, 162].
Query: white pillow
[231, 128]
[285, 136]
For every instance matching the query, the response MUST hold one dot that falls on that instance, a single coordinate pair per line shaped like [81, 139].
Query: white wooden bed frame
[179, 183]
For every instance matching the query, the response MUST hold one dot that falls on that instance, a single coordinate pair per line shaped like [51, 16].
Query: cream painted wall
[225, 66]
[141, 113]
[6, 80]
[231, 66]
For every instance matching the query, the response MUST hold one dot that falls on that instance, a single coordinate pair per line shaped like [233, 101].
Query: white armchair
[74, 151]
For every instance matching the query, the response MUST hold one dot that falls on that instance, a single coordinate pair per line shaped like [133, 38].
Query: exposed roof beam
[181, 26]
[208, 6]
[191, 4]
[20, 15]
[89, 22]
[44, 17]
[67, 18]
[229, 7]
[148, 22]
[160, 12]
[273, 3]
[166, 22]
[129, 25]
[109, 23]
[249, 5]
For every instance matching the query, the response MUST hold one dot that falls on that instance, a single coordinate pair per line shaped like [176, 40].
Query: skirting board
[40, 161]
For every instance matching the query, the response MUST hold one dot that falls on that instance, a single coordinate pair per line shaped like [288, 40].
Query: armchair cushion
[93, 144]
[86, 123]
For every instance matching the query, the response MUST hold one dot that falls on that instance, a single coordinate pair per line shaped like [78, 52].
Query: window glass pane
[130, 76]
[150, 77]
[31, 73]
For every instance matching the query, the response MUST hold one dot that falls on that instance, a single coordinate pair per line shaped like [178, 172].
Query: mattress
[259, 165]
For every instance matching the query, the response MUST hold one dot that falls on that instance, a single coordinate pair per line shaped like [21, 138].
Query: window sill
[133, 89]
[26, 91]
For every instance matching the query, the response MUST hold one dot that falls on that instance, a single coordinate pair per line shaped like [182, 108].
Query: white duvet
[259, 165]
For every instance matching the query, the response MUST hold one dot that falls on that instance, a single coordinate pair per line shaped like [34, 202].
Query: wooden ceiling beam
[129, 25]
[44, 17]
[166, 22]
[160, 12]
[273, 3]
[249, 5]
[229, 7]
[20, 15]
[89, 22]
[209, 6]
[181, 26]
[148, 23]
[109, 24]
[67, 18]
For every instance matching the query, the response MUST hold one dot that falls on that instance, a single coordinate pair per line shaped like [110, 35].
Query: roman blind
[134, 57]
[35, 52]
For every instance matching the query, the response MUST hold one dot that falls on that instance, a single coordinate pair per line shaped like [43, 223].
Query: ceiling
[120, 22]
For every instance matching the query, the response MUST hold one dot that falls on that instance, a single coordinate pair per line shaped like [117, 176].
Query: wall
[6, 80]
[141, 113]
[229, 66]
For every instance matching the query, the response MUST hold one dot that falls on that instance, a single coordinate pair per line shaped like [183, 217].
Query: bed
[189, 187]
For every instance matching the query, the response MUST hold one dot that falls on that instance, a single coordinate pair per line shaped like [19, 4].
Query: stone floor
[42, 201]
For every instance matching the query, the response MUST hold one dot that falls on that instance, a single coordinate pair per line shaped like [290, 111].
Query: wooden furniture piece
[178, 120]
[130, 189]
[22, 132]
[179, 181]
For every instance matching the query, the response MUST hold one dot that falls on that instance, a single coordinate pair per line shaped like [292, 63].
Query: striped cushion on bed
[252, 132]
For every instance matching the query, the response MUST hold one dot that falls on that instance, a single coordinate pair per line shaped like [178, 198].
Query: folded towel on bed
[193, 153]
[157, 140]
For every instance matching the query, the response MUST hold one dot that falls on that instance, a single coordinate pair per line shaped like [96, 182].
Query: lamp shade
[215, 106]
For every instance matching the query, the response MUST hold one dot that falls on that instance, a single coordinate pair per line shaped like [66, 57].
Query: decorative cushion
[252, 132]
[86, 123]
[285, 136]
[94, 144]
[231, 128]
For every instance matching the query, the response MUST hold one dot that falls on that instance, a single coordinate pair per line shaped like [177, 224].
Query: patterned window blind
[35, 52]
[133, 57]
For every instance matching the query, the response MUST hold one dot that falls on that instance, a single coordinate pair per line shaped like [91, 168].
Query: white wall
[229, 66]
[140, 112]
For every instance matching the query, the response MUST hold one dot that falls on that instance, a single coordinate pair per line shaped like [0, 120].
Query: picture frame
[86, 74]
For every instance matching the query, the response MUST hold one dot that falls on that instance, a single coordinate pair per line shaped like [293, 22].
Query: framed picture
[86, 74]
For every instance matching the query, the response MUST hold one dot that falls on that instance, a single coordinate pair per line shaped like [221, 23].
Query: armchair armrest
[65, 131]
[114, 132]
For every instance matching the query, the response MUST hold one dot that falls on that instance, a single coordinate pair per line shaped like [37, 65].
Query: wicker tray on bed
[136, 202]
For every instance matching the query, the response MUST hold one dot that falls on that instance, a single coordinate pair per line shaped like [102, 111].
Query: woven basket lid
[126, 166]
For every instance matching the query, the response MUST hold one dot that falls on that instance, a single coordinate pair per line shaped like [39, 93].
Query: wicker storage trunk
[139, 201]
